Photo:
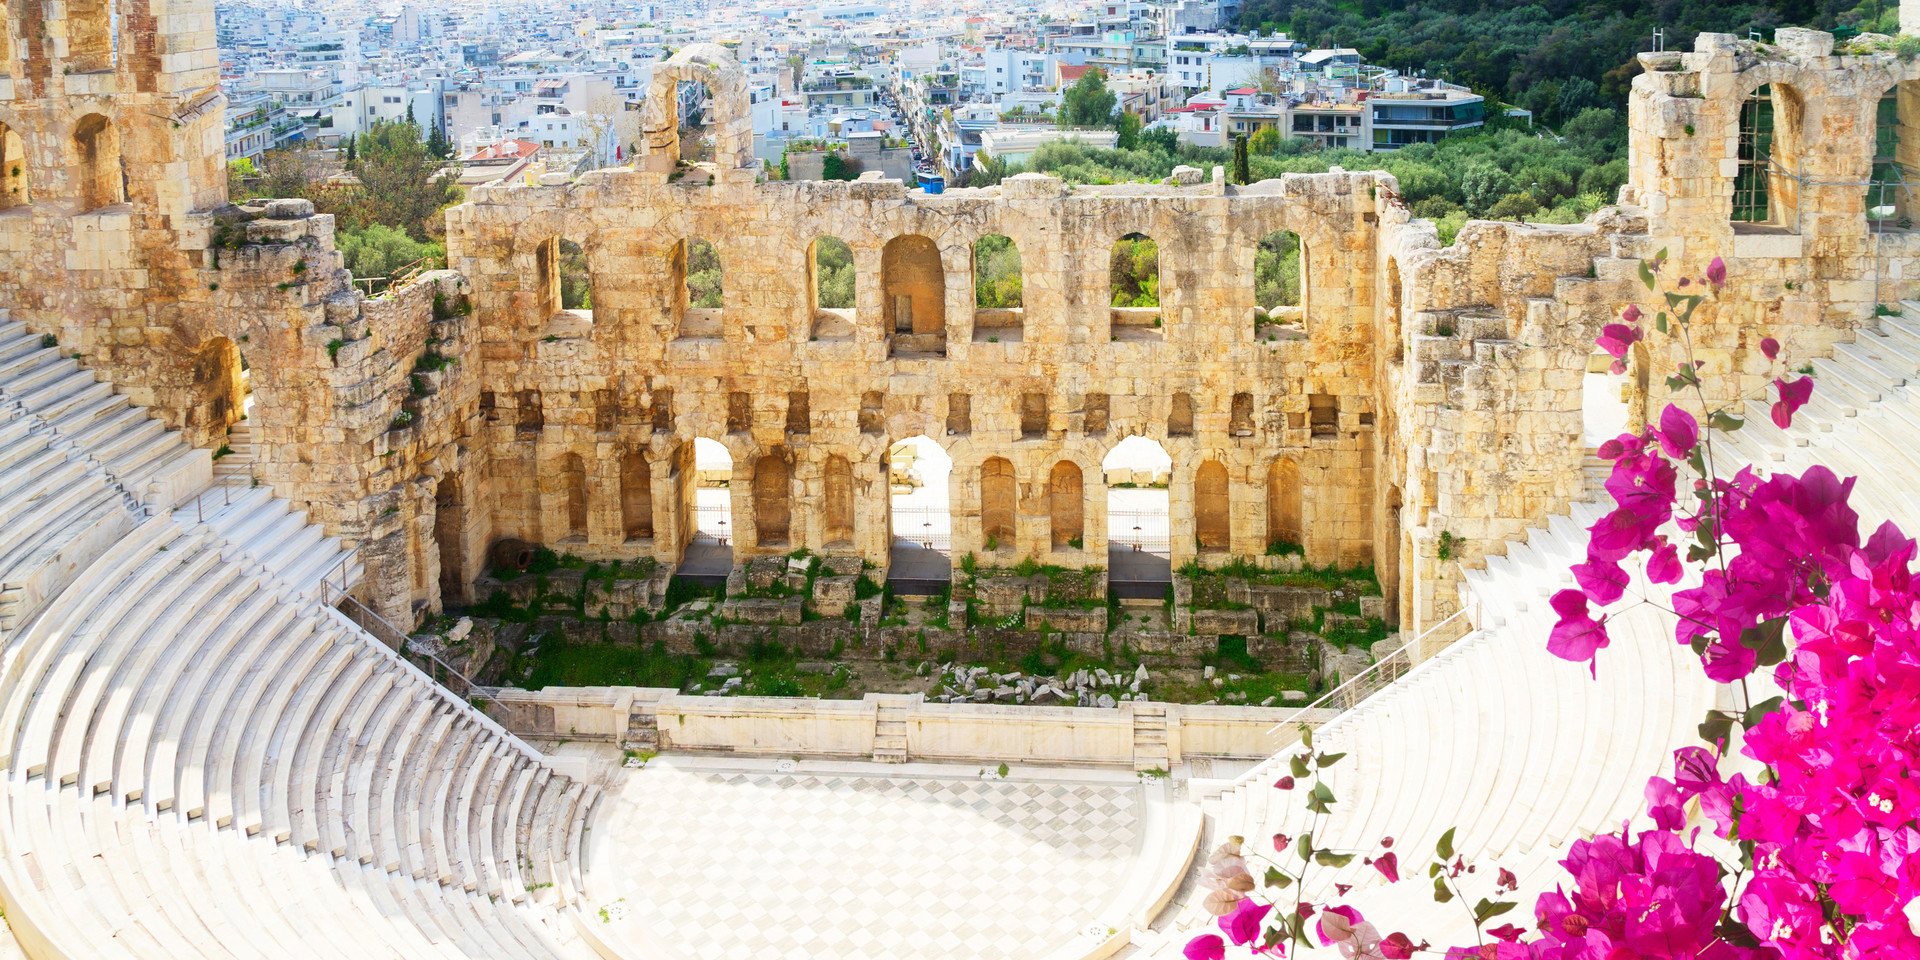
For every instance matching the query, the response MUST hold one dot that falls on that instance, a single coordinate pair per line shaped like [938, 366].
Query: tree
[401, 185]
[1088, 103]
[836, 166]
[833, 274]
[703, 275]
[379, 250]
[996, 273]
[1160, 138]
[438, 145]
[1128, 125]
[350, 151]
[1265, 141]
[1242, 173]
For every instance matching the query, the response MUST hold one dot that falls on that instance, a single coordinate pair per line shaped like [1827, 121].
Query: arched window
[831, 277]
[1279, 280]
[1212, 510]
[221, 376]
[999, 493]
[97, 146]
[915, 283]
[1766, 188]
[695, 103]
[1895, 178]
[575, 279]
[1066, 505]
[693, 277]
[573, 491]
[772, 493]
[998, 298]
[636, 494]
[1133, 280]
[13, 169]
[703, 275]
[1283, 506]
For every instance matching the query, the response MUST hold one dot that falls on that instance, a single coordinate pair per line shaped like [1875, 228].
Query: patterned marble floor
[695, 861]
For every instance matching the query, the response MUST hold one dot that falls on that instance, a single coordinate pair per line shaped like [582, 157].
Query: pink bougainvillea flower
[1617, 338]
[1242, 926]
[1338, 925]
[1397, 946]
[1679, 432]
[1793, 395]
[1576, 636]
[1284, 783]
[1207, 946]
[1717, 272]
[1770, 348]
[1663, 566]
[1632, 313]
[1389, 866]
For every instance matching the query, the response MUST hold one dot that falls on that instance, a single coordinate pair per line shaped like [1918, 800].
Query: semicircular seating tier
[199, 758]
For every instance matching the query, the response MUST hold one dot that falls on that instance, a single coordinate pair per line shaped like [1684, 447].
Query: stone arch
[1212, 507]
[999, 498]
[999, 311]
[729, 110]
[914, 281]
[837, 509]
[219, 375]
[1066, 505]
[1892, 193]
[636, 494]
[1283, 503]
[573, 495]
[772, 498]
[1770, 153]
[99, 178]
[572, 277]
[919, 472]
[89, 36]
[15, 178]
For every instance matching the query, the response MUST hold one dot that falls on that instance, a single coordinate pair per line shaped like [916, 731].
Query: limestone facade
[1425, 409]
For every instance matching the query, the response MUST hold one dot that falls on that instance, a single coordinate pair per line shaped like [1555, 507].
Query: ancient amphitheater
[213, 743]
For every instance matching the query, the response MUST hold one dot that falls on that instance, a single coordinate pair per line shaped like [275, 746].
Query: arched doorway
[709, 551]
[1139, 546]
[999, 496]
[915, 284]
[918, 510]
[772, 498]
[1603, 402]
[1212, 509]
[1067, 506]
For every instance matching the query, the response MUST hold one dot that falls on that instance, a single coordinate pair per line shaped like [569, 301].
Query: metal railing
[398, 278]
[396, 639]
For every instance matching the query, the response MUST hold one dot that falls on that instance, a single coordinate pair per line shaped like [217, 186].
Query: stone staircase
[1150, 737]
[199, 757]
[236, 466]
[890, 730]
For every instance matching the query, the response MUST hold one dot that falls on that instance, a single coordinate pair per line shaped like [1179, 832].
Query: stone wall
[1426, 408]
[663, 719]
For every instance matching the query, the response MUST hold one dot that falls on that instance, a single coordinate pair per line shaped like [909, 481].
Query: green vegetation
[1504, 172]
[703, 274]
[1276, 270]
[996, 273]
[1088, 103]
[1134, 268]
[381, 250]
[1554, 57]
[833, 274]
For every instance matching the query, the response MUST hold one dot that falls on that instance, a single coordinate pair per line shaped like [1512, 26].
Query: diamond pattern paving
[705, 865]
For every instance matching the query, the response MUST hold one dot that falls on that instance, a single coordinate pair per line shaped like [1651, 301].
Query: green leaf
[1329, 759]
[1488, 909]
[1758, 711]
[1327, 858]
[1444, 849]
[1717, 728]
[1660, 321]
[1322, 792]
[1303, 847]
[1434, 869]
[1275, 878]
[1306, 736]
[1646, 276]
[1767, 640]
[1726, 422]
[1298, 766]
[1441, 892]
